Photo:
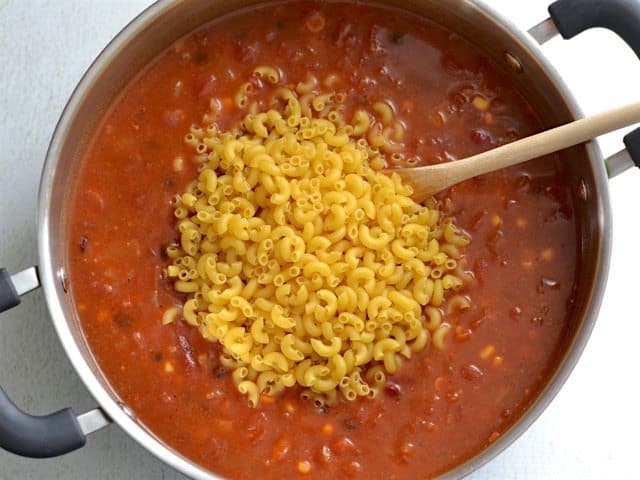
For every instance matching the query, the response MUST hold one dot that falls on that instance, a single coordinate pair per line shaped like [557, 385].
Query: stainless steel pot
[166, 21]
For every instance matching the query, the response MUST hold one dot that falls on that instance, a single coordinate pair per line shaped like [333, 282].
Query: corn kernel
[288, 406]
[304, 466]
[480, 103]
[488, 118]
[168, 367]
[327, 429]
[497, 361]
[496, 221]
[487, 351]
[547, 254]
[178, 164]
[527, 259]
[280, 449]
[172, 271]
[102, 316]
[267, 399]
[522, 223]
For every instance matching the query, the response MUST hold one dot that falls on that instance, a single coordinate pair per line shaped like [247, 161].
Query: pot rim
[51, 274]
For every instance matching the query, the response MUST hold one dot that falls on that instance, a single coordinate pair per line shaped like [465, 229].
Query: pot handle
[571, 17]
[39, 436]
[632, 141]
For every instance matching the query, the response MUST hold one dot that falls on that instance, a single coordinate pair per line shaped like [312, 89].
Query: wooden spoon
[429, 180]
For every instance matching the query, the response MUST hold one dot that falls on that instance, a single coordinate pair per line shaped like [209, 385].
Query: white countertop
[589, 431]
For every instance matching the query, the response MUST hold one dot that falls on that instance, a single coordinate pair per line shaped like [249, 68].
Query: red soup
[441, 407]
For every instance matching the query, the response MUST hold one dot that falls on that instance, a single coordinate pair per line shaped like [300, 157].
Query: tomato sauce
[441, 408]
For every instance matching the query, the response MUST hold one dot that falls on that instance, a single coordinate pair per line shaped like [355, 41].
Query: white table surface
[589, 432]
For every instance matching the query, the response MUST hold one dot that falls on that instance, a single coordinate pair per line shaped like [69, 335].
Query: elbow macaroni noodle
[308, 265]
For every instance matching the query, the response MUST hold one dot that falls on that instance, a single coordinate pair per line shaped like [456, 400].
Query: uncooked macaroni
[308, 265]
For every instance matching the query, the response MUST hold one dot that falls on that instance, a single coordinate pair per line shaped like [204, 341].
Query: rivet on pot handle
[571, 17]
[49, 435]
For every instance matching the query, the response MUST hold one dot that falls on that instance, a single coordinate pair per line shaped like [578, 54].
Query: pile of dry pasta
[308, 265]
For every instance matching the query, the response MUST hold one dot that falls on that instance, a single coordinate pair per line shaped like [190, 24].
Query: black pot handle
[24, 434]
[632, 142]
[9, 297]
[572, 17]
[38, 437]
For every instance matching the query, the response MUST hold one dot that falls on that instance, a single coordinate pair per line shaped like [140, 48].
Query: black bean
[515, 313]
[481, 137]
[200, 57]
[471, 372]
[397, 38]
[393, 390]
[169, 184]
[351, 423]
[220, 372]
[83, 243]
[523, 183]
[123, 320]
[547, 283]
[163, 254]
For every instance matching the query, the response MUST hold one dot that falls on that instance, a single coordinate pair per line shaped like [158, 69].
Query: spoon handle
[550, 141]
[432, 179]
